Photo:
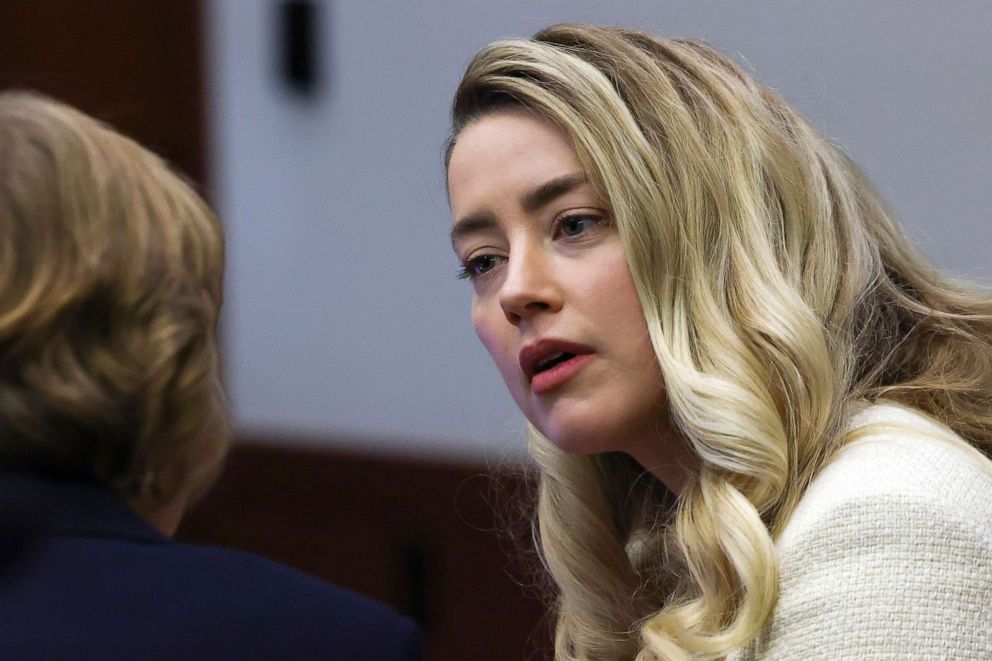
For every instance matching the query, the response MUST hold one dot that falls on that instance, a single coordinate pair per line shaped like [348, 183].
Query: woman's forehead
[508, 149]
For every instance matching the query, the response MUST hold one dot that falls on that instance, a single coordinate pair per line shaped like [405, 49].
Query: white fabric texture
[889, 553]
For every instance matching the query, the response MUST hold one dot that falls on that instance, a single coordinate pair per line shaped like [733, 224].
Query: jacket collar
[57, 507]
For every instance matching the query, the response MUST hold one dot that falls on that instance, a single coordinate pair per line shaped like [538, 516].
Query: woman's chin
[578, 438]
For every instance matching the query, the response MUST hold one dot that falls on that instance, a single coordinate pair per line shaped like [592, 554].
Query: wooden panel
[136, 64]
[422, 537]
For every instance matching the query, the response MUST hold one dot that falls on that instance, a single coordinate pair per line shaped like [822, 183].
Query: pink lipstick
[553, 377]
[549, 362]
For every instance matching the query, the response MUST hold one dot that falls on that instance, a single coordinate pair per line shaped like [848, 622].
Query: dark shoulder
[226, 569]
[131, 599]
[278, 601]
[91, 571]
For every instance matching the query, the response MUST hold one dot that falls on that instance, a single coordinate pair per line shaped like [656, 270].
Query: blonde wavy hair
[778, 292]
[110, 290]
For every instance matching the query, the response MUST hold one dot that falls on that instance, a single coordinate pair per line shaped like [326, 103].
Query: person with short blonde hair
[113, 420]
[761, 418]
[111, 274]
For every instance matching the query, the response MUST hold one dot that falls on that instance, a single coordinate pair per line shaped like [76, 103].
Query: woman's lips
[554, 377]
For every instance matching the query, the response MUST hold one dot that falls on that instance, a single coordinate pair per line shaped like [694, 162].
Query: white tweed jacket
[889, 553]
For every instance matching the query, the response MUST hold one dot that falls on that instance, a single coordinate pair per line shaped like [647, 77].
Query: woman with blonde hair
[761, 419]
[113, 420]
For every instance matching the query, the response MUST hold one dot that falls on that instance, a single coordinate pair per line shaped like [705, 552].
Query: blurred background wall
[369, 420]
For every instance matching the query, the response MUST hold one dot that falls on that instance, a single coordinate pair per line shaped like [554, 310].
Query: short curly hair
[111, 271]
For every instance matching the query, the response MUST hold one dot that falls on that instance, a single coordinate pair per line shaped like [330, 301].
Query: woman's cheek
[487, 329]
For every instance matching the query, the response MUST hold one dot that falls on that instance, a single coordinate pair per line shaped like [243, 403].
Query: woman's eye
[473, 268]
[576, 225]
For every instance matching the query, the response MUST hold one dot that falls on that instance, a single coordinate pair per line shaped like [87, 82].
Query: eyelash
[467, 272]
[555, 229]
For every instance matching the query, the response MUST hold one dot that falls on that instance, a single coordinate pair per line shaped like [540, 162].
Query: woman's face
[553, 299]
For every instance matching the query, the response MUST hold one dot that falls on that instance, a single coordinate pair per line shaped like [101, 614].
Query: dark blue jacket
[83, 577]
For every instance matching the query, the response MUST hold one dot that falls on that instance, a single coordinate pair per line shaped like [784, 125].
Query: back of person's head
[110, 287]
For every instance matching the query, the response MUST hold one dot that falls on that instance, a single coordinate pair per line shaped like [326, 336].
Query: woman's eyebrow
[549, 190]
[472, 224]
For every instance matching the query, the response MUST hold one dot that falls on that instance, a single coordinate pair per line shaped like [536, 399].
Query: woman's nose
[530, 286]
